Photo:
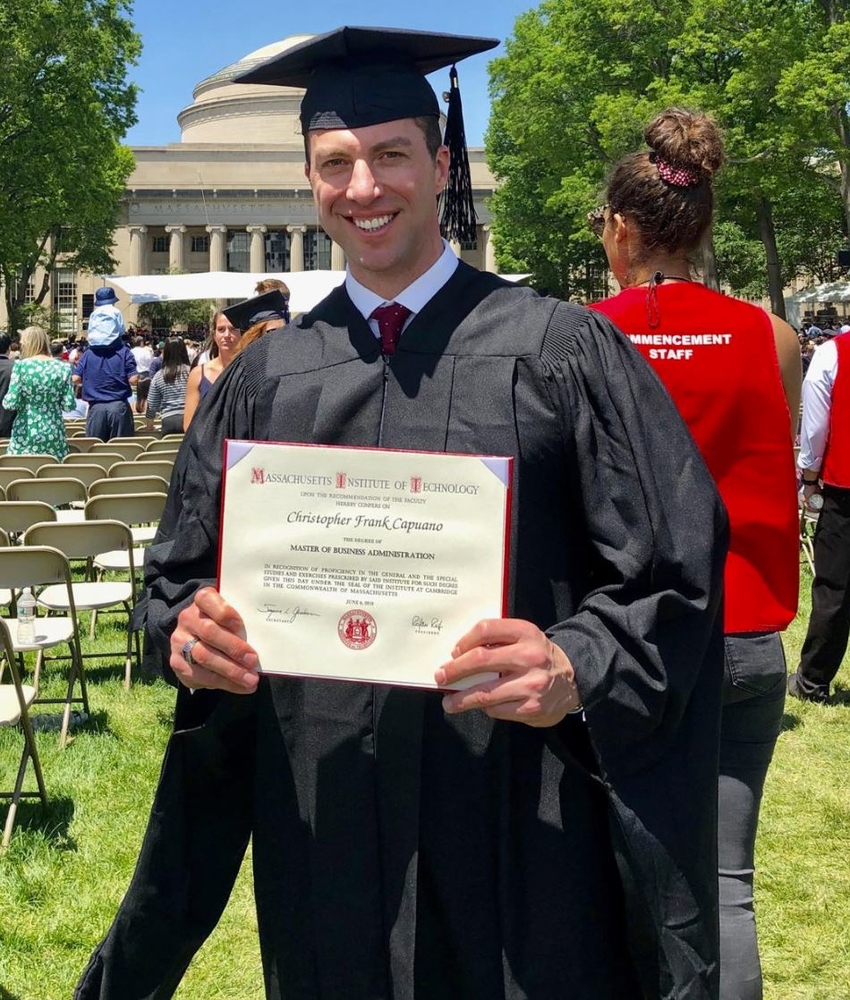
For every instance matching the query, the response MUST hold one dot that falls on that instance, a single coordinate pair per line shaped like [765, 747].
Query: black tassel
[458, 218]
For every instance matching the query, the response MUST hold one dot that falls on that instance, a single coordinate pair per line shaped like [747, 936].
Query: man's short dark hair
[431, 130]
[429, 125]
[5, 343]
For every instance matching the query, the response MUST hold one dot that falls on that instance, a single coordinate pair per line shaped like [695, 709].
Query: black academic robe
[7, 417]
[402, 853]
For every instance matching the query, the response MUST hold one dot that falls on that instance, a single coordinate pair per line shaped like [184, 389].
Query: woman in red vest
[734, 372]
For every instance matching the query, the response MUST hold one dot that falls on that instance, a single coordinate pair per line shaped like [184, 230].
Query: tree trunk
[843, 126]
[767, 231]
[709, 265]
[13, 305]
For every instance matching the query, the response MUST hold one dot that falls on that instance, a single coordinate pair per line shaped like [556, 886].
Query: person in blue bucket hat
[106, 323]
[107, 371]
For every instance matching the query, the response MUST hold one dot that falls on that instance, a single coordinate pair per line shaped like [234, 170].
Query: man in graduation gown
[550, 834]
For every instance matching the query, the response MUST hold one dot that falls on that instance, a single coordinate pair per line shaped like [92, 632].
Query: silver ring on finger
[187, 652]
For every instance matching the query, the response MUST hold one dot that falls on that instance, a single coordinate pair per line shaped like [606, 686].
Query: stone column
[258, 248]
[296, 249]
[455, 245]
[337, 257]
[137, 249]
[218, 247]
[176, 258]
[489, 250]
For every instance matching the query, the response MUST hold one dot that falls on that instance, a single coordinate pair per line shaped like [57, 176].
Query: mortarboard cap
[270, 305]
[356, 77]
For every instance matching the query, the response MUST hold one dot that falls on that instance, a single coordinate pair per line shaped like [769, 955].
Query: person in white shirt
[143, 354]
[824, 464]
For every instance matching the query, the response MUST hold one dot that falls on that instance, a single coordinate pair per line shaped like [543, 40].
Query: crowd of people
[811, 336]
[114, 372]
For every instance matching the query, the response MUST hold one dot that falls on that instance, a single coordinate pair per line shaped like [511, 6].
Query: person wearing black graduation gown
[6, 416]
[407, 847]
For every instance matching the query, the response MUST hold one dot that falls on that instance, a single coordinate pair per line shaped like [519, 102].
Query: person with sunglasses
[734, 372]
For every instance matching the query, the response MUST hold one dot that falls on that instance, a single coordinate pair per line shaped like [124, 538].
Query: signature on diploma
[285, 615]
[431, 624]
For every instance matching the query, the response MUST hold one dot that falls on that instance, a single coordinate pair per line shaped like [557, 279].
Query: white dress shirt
[415, 297]
[144, 358]
[817, 401]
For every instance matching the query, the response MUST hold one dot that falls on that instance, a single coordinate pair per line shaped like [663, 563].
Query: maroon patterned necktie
[390, 321]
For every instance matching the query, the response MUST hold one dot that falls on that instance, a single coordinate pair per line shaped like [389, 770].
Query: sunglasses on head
[596, 220]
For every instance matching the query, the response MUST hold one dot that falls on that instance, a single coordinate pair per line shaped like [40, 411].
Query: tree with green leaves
[581, 78]
[184, 314]
[815, 92]
[65, 104]
[567, 99]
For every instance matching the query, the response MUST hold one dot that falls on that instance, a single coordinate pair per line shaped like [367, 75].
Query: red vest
[717, 357]
[836, 462]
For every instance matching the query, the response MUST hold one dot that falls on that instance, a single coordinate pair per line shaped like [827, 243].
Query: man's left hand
[537, 682]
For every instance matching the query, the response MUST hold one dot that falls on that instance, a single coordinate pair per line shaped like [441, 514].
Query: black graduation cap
[269, 305]
[355, 77]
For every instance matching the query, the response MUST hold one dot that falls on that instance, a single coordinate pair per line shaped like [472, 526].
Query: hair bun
[688, 139]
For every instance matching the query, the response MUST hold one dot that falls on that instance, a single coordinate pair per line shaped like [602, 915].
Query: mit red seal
[357, 629]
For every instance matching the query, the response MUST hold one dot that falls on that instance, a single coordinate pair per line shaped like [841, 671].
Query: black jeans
[173, 423]
[109, 420]
[753, 699]
[829, 623]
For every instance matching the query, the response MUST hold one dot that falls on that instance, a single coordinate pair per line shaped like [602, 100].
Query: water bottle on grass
[26, 618]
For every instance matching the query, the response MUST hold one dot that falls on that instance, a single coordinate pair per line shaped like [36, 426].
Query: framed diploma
[362, 564]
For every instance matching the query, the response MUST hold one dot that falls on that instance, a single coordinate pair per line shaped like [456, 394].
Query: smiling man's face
[376, 192]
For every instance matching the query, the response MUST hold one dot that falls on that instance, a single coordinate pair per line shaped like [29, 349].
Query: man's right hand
[222, 658]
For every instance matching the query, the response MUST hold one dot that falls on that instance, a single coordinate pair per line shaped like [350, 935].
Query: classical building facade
[230, 196]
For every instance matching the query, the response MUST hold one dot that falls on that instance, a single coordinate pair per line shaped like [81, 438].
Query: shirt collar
[417, 294]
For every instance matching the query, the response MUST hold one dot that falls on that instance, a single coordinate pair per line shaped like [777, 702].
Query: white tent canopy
[307, 288]
[831, 291]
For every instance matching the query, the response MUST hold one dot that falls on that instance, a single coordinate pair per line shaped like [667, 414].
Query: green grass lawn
[67, 869]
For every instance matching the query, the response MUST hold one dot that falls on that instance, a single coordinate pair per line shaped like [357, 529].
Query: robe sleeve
[184, 554]
[645, 632]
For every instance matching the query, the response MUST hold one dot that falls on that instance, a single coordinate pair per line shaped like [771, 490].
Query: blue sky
[183, 43]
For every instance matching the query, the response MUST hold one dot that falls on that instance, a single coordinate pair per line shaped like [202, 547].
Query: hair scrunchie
[677, 176]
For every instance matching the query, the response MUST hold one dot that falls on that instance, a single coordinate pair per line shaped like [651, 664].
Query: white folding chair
[86, 472]
[6, 596]
[143, 439]
[137, 484]
[128, 450]
[10, 473]
[88, 540]
[104, 459]
[63, 492]
[808, 524]
[139, 511]
[39, 566]
[32, 462]
[15, 701]
[167, 444]
[142, 467]
[83, 443]
[18, 515]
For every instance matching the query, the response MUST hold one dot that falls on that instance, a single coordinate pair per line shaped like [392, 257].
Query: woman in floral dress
[40, 389]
